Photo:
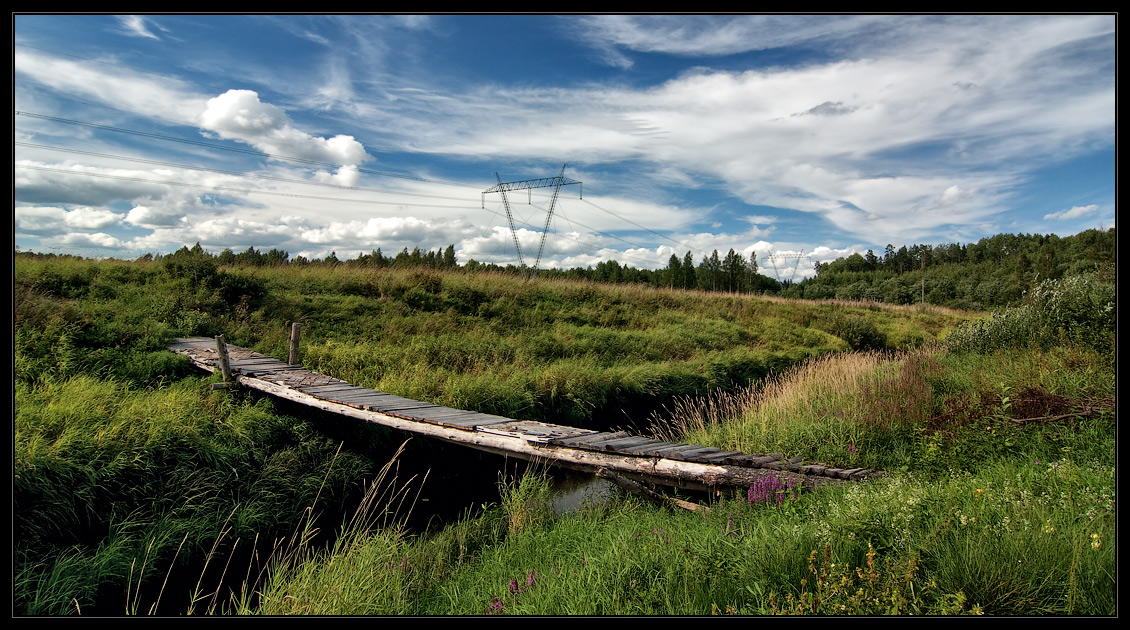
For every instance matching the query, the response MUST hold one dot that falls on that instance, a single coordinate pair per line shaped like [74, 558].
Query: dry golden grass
[854, 391]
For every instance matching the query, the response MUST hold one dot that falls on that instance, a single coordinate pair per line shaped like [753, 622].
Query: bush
[860, 333]
[1078, 310]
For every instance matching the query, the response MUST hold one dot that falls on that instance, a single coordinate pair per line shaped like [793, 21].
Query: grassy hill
[136, 485]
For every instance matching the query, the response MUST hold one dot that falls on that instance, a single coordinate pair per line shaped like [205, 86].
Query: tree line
[993, 272]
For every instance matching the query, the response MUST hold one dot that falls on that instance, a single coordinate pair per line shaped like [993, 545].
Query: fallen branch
[1079, 414]
[650, 495]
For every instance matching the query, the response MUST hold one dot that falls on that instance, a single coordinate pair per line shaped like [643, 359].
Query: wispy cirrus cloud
[137, 26]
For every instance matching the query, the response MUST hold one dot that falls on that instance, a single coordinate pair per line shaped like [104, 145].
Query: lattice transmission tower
[529, 184]
[772, 258]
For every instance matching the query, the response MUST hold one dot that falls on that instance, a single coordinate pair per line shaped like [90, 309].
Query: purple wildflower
[496, 606]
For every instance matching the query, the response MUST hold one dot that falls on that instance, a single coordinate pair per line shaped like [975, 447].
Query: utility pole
[923, 256]
[527, 184]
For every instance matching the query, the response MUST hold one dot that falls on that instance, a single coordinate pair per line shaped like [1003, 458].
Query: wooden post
[222, 354]
[295, 335]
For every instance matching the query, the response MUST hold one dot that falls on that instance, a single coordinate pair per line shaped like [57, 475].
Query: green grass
[137, 490]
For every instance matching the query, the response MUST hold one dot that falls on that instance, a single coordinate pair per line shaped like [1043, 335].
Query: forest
[993, 272]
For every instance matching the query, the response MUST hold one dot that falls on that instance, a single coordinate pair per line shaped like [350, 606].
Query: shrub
[1078, 310]
[859, 332]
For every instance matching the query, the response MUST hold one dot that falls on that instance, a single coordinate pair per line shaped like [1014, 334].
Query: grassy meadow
[137, 490]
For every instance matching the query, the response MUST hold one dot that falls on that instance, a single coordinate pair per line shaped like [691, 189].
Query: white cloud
[98, 239]
[240, 115]
[168, 98]
[39, 219]
[136, 25]
[145, 216]
[91, 218]
[1072, 213]
[701, 35]
[54, 219]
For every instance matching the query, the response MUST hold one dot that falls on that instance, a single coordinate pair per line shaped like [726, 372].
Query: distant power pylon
[772, 258]
[527, 184]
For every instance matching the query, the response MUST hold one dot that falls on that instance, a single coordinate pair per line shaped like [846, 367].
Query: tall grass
[114, 484]
[846, 408]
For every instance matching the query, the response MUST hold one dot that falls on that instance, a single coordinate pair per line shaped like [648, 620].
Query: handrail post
[295, 335]
[222, 355]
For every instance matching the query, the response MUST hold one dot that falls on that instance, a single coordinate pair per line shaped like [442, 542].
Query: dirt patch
[1033, 402]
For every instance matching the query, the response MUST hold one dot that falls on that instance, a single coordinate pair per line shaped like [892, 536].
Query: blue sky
[801, 138]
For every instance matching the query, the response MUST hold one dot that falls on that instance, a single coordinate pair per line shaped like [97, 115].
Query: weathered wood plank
[643, 448]
[591, 440]
[531, 430]
[621, 444]
[690, 454]
[253, 360]
[316, 390]
[396, 403]
[360, 394]
[659, 450]
[471, 421]
[717, 458]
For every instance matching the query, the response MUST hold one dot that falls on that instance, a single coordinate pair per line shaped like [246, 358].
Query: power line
[646, 229]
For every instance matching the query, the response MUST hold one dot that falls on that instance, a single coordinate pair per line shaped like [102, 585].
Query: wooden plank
[194, 344]
[757, 462]
[396, 403]
[741, 459]
[259, 359]
[440, 413]
[625, 443]
[340, 395]
[360, 394]
[315, 390]
[690, 454]
[532, 430]
[642, 448]
[599, 444]
[718, 458]
[360, 402]
[473, 421]
[587, 441]
[662, 449]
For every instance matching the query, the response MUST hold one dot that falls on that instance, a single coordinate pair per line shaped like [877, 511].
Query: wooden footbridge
[608, 454]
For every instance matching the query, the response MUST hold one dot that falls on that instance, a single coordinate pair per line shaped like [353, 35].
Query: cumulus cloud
[91, 218]
[39, 219]
[98, 239]
[54, 219]
[1072, 213]
[240, 115]
[145, 216]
